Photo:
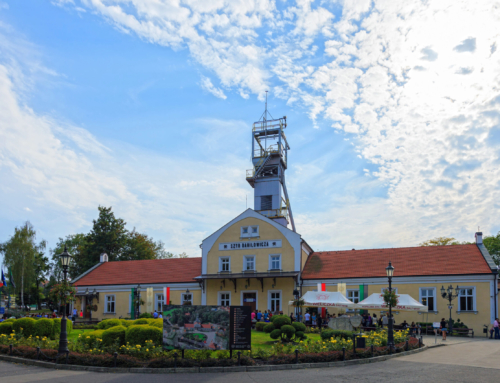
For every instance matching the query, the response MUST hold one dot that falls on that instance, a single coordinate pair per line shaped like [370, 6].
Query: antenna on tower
[265, 112]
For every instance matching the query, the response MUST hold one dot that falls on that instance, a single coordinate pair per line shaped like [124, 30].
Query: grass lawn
[74, 334]
[262, 340]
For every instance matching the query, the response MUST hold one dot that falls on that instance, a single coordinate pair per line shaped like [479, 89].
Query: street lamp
[448, 294]
[390, 331]
[63, 339]
[137, 294]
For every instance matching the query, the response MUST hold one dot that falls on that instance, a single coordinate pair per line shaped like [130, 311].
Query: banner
[342, 288]
[149, 300]
[206, 327]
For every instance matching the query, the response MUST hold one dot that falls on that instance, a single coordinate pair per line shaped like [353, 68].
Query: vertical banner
[361, 297]
[166, 296]
[342, 288]
[323, 310]
[149, 300]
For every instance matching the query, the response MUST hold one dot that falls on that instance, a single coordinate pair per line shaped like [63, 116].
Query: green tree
[443, 241]
[20, 252]
[41, 268]
[492, 243]
[140, 246]
[75, 245]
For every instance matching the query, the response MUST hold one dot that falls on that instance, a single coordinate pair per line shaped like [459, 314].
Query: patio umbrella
[325, 299]
[405, 303]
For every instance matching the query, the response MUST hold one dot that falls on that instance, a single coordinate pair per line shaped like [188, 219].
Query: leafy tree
[20, 253]
[492, 243]
[41, 268]
[75, 245]
[140, 246]
[443, 241]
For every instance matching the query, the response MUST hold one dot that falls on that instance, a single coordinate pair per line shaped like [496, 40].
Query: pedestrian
[307, 318]
[385, 320]
[75, 313]
[292, 319]
[81, 313]
[320, 322]
[443, 328]
[160, 316]
[374, 320]
[266, 316]
[314, 320]
[413, 328]
[155, 315]
[259, 316]
[496, 328]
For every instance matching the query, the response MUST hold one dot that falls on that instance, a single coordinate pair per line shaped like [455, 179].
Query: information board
[240, 328]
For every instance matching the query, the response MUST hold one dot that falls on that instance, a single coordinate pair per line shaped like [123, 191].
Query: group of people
[259, 316]
[157, 315]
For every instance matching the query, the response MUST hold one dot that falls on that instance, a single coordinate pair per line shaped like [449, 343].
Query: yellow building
[258, 260]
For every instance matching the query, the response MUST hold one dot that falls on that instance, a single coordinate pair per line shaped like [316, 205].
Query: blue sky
[147, 106]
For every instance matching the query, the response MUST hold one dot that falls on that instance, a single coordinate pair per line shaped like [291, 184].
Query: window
[110, 303]
[255, 230]
[160, 301]
[224, 264]
[266, 202]
[466, 299]
[275, 262]
[249, 231]
[275, 301]
[353, 295]
[244, 230]
[249, 263]
[224, 299]
[428, 298]
[186, 299]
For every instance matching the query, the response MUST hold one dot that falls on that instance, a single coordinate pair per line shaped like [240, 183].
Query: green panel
[361, 296]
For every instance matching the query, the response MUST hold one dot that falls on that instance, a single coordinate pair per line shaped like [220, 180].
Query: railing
[250, 173]
[272, 149]
[270, 124]
[274, 213]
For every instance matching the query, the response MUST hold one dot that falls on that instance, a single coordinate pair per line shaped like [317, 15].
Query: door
[250, 300]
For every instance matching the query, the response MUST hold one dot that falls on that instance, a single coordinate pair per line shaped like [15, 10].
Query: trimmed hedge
[259, 326]
[327, 334]
[113, 334]
[141, 321]
[27, 325]
[139, 334]
[126, 323]
[299, 326]
[6, 328]
[145, 315]
[44, 327]
[108, 323]
[156, 323]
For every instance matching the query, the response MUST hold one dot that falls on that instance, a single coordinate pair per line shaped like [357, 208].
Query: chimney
[104, 257]
[479, 238]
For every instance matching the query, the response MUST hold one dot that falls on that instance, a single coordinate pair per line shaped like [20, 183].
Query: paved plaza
[461, 360]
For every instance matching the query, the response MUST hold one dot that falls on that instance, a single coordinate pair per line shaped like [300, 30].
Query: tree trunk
[22, 289]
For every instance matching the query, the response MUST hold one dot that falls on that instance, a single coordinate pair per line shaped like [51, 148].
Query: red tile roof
[172, 270]
[407, 261]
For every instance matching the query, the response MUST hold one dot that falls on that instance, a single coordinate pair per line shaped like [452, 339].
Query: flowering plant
[63, 293]
[390, 298]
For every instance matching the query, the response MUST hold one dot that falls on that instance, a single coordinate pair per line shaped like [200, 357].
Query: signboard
[267, 244]
[206, 327]
[436, 325]
[2, 310]
[240, 332]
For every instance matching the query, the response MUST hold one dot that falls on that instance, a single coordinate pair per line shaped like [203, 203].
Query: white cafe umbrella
[325, 299]
[405, 303]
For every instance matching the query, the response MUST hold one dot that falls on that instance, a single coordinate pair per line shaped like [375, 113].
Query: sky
[147, 106]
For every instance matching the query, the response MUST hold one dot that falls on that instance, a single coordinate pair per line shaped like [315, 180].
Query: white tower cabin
[269, 158]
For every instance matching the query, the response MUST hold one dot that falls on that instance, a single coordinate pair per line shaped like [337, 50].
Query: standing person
[320, 322]
[374, 320]
[443, 328]
[259, 316]
[368, 320]
[496, 328]
[308, 318]
[385, 320]
[413, 328]
[292, 319]
[160, 316]
[75, 314]
[266, 316]
[299, 317]
[81, 313]
[155, 315]
[314, 319]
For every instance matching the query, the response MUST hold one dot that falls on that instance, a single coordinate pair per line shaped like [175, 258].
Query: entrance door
[250, 300]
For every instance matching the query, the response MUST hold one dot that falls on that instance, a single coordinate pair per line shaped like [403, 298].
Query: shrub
[259, 326]
[141, 321]
[44, 327]
[56, 327]
[280, 320]
[275, 334]
[126, 323]
[288, 331]
[269, 328]
[27, 325]
[156, 323]
[9, 320]
[113, 334]
[344, 334]
[299, 326]
[145, 315]
[108, 323]
[300, 335]
[6, 328]
[139, 334]
[90, 337]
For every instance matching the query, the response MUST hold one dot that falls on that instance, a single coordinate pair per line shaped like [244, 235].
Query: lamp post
[448, 294]
[390, 330]
[137, 295]
[63, 339]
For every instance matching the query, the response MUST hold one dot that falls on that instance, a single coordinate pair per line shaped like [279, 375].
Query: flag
[3, 279]
[11, 279]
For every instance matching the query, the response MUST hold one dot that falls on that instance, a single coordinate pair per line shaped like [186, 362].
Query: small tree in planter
[282, 328]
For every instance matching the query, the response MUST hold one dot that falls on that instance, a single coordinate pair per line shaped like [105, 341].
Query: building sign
[240, 328]
[267, 244]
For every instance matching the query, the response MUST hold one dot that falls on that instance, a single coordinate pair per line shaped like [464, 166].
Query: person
[259, 316]
[496, 328]
[334, 315]
[443, 328]
[54, 314]
[314, 320]
[385, 320]
[404, 324]
[368, 320]
[292, 319]
[299, 317]
[308, 318]
[413, 328]
[266, 316]
[374, 320]
[81, 313]
[270, 315]
[160, 316]
[419, 328]
[155, 315]
[320, 322]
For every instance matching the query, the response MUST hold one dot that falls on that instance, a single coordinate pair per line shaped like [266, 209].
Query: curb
[138, 370]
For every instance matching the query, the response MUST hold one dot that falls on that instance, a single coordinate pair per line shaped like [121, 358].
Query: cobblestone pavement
[472, 360]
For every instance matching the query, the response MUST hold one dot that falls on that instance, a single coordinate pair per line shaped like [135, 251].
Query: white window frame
[474, 300]
[106, 311]
[270, 261]
[269, 292]
[347, 296]
[250, 231]
[434, 309]
[159, 300]
[248, 257]
[220, 264]
[395, 289]
[243, 228]
[184, 300]
[219, 297]
[254, 232]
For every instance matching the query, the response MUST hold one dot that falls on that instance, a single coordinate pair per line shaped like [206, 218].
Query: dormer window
[249, 231]
[244, 230]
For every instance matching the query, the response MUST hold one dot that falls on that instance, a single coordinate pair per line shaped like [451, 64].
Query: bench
[456, 331]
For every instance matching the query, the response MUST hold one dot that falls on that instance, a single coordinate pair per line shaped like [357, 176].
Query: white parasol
[325, 299]
[405, 303]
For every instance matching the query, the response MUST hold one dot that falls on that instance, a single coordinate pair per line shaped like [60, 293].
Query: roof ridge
[393, 248]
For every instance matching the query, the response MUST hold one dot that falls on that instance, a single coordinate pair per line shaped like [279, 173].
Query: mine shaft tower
[269, 157]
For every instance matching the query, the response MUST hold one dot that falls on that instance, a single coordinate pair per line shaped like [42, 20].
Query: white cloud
[206, 84]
